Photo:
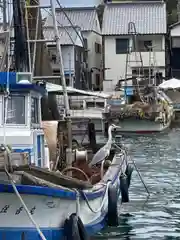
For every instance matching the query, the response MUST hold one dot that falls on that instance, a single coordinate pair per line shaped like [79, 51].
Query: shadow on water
[158, 159]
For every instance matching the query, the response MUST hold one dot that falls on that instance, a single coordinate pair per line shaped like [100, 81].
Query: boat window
[95, 104]
[15, 110]
[34, 110]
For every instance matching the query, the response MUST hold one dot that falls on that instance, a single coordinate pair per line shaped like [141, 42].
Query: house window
[85, 43]
[145, 46]
[15, 110]
[34, 110]
[56, 72]
[54, 58]
[97, 47]
[97, 82]
[122, 46]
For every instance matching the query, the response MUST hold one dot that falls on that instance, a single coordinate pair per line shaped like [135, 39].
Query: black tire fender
[112, 215]
[128, 172]
[124, 188]
[71, 230]
[74, 228]
[82, 231]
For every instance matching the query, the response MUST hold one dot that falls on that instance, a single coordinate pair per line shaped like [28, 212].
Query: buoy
[112, 215]
[128, 172]
[74, 229]
[124, 188]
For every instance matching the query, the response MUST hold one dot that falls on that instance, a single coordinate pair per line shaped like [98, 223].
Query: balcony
[157, 60]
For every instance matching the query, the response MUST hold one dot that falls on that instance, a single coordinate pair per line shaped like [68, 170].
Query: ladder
[35, 37]
[153, 64]
[133, 56]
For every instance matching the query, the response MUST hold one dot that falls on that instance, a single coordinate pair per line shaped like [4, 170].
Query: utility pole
[4, 11]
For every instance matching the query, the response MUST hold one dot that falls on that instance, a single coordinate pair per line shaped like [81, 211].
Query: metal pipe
[63, 81]
[35, 44]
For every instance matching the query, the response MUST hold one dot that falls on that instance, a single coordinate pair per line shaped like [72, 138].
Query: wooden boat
[29, 190]
[47, 189]
[149, 114]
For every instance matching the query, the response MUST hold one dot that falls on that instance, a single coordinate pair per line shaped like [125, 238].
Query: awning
[57, 89]
[172, 83]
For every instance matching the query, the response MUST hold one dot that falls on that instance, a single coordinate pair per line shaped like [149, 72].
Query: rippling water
[158, 159]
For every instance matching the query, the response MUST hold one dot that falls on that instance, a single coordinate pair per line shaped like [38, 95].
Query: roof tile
[149, 18]
[68, 35]
[85, 18]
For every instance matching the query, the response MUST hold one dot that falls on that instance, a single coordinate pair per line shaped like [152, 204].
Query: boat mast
[63, 81]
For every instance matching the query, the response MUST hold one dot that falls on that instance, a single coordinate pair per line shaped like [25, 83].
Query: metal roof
[51, 87]
[85, 18]
[68, 35]
[149, 18]
[174, 24]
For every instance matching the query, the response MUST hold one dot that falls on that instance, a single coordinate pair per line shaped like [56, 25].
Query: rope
[103, 200]
[137, 170]
[24, 205]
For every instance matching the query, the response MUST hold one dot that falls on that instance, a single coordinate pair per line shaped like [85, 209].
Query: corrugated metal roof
[69, 38]
[149, 18]
[85, 18]
[51, 87]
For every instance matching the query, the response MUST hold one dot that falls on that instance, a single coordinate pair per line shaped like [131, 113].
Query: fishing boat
[76, 195]
[147, 112]
[37, 201]
[145, 109]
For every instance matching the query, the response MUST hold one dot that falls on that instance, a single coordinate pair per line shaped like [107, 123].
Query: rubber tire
[82, 231]
[71, 230]
[124, 189]
[128, 172]
[74, 229]
[112, 215]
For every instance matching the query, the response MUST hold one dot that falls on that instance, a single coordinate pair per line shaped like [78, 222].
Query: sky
[73, 3]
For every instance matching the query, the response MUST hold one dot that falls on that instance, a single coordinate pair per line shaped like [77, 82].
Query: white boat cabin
[20, 123]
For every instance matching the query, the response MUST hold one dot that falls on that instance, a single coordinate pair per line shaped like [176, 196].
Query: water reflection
[123, 231]
[158, 159]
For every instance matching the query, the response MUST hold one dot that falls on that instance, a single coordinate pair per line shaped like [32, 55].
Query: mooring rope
[24, 205]
[103, 200]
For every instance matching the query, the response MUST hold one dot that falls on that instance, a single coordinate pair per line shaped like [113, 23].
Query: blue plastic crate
[4, 79]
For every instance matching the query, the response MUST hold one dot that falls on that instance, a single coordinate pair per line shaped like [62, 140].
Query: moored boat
[79, 191]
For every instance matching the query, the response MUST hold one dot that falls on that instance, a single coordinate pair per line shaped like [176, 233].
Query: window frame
[143, 45]
[121, 51]
[25, 110]
[37, 106]
[97, 47]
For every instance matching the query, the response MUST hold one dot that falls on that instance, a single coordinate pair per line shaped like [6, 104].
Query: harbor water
[157, 217]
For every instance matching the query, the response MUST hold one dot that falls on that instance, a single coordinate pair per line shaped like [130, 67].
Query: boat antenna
[63, 80]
